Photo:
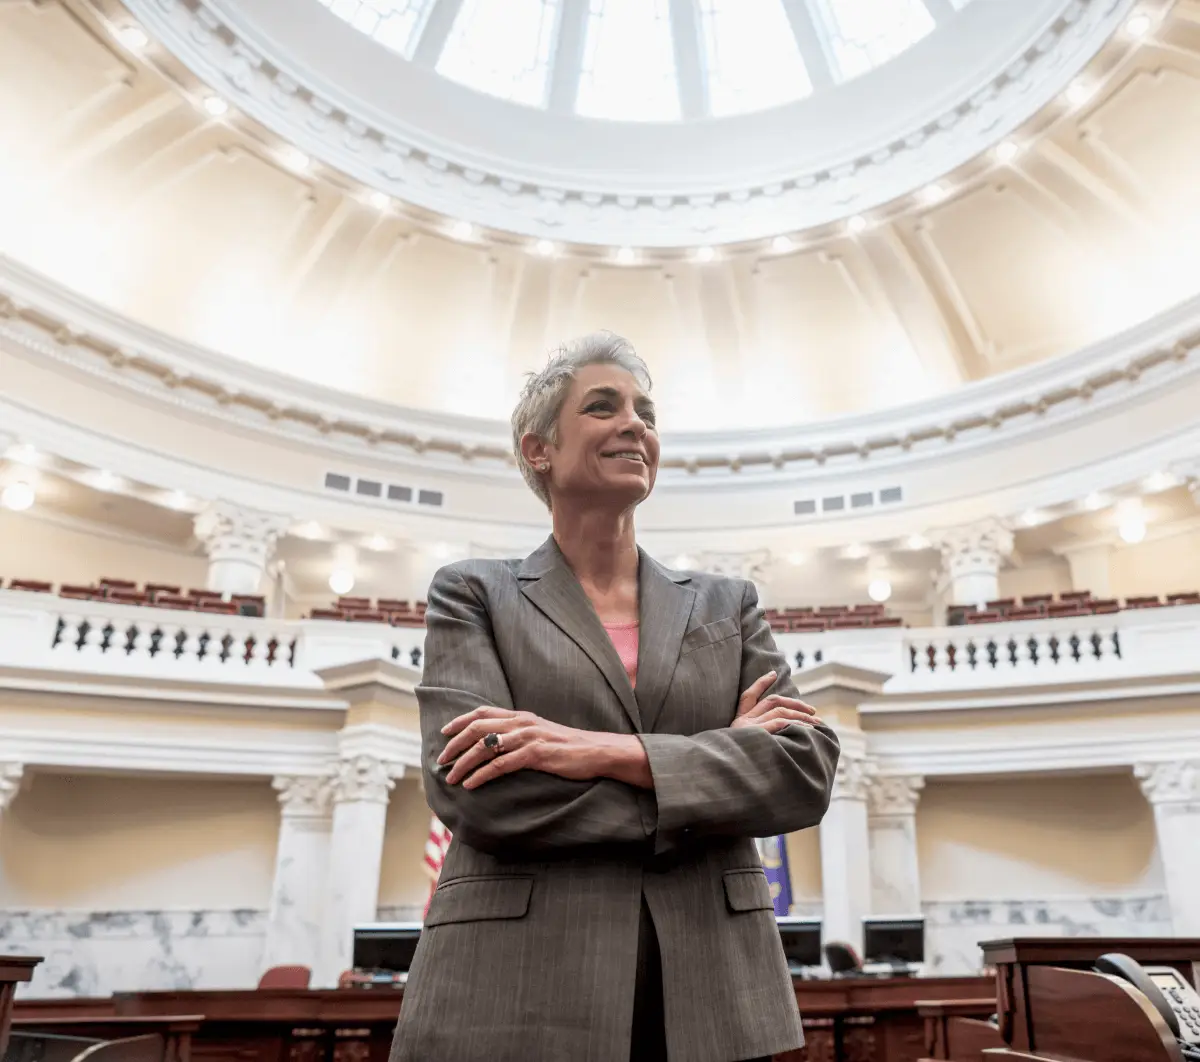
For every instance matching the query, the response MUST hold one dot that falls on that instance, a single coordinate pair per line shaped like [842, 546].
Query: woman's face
[607, 440]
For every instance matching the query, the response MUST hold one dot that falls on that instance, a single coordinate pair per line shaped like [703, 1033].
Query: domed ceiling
[158, 182]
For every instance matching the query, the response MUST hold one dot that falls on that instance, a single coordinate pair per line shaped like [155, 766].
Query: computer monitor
[897, 940]
[386, 946]
[801, 940]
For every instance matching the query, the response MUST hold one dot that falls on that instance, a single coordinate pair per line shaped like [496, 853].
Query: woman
[604, 737]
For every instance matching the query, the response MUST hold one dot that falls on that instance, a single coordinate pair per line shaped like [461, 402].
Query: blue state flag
[773, 852]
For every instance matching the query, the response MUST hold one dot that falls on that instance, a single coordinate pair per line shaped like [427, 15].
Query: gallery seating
[1068, 604]
[156, 595]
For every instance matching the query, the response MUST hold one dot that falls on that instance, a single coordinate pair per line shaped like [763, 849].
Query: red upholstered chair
[79, 593]
[887, 621]
[118, 584]
[1036, 600]
[354, 604]
[1027, 613]
[1143, 602]
[129, 597]
[327, 614]
[845, 623]
[1104, 606]
[286, 977]
[175, 601]
[1191, 598]
[392, 604]
[155, 589]
[368, 616]
[1075, 596]
[983, 617]
[809, 626]
[32, 586]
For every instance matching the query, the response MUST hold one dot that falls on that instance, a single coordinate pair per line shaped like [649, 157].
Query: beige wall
[1049, 576]
[1036, 838]
[1163, 565]
[804, 864]
[95, 843]
[34, 548]
[402, 879]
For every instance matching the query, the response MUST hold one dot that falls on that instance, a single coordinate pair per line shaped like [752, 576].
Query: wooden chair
[1026, 612]
[1190, 598]
[327, 614]
[1034, 600]
[155, 589]
[983, 617]
[369, 616]
[31, 586]
[354, 604]
[1143, 602]
[80, 593]
[846, 622]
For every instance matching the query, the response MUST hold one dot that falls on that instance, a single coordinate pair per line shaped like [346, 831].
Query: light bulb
[341, 581]
[295, 159]
[462, 230]
[917, 542]
[18, 496]
[879, 590]
[933, 193]
[626, 255]
[378, 543]
[857, 224]
[782, 244]
[545, 248]
[215, 106]
[705, 254]
[1132, 529]
[176, 499]
[1078, 93]
[133, 37]
[105, 480]
[1138, 25]
[1007, 150]
[379, 200]
[683, 562]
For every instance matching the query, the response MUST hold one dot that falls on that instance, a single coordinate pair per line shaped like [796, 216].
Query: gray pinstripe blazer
[530, 944]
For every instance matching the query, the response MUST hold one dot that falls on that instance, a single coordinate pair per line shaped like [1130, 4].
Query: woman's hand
[529, 742]
[771, 713]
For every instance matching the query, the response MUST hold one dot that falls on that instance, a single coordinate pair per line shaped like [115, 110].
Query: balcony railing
[43, 633]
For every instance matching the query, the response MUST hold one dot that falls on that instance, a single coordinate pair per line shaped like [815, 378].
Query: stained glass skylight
[862, 34]
[397, 24]
[629, 62]
[750, 56]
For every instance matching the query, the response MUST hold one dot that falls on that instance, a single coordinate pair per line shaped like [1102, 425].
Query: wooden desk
[175, 1031]
[14, 969]
[844, 1020]
[959, 1029]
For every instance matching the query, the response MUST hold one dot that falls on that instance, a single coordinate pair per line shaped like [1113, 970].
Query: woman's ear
[535, 451]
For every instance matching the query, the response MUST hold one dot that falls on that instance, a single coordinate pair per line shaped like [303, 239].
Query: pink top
[625, 640]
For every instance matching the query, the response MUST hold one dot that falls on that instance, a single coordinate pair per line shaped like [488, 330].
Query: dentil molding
[221, 43]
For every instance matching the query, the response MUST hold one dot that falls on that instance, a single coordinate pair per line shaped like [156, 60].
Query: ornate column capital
[11, 775]
[362, 778]
[304, 796]
[978, 547]
[750, 565]
[894, 795]
[853, 778]
[232, 532]
[1175, 782]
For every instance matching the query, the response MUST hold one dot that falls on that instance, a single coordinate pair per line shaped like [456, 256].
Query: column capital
[11, 775]
[362, 778]
[1188, 469]
[751, 564]
[853, 778]
[1175, 782]
[234, 532]
[894, 795]
[304, 796]
[971, 547]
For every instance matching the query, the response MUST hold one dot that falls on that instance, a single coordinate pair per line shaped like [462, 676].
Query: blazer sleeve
[744, 782]
[520, 813]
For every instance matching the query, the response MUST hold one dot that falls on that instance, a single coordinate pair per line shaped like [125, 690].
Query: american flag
[436, 846]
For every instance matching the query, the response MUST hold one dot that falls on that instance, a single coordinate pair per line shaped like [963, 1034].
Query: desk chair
[843, 959]
[286, 977]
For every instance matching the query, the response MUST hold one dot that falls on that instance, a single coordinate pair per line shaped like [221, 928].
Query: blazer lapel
[547, 580]
[664, 607]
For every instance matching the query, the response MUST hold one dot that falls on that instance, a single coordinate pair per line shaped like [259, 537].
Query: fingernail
[446, 729]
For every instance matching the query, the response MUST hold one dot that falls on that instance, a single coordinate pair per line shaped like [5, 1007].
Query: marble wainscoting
[954, 928]
[96, 953]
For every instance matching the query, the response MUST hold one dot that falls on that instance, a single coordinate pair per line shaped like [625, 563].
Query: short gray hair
[542, 396]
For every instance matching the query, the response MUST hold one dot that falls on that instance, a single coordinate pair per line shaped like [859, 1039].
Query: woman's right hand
[771, 713]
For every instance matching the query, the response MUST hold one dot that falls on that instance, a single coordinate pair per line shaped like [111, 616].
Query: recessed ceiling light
[215, 106]
[1033, 517]
[879, 590]
[378, 543]
[18, 496]
[1132, 529]
[545, 248]
[855, 551]
[857, 224]
[934, 193]
[1138, 25]
[782, 244]
[133, 37]
[1078, 92]
[310, 530]
[295, 159]
[25, 454]
[1159, 481]
[379, 200]
[462, 230]
[705, 254]
[1095, 501]
[917, 542]
[1007, 150]
[176, 499]
[105, 480]
[626, 255]
[796, 559]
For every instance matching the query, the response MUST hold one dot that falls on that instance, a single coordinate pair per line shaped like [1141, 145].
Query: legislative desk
[845, 1020]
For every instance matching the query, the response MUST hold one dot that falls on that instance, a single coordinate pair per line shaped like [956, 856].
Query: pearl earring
[543, 468]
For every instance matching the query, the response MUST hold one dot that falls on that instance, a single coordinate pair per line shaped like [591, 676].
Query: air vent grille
[395, 493]
[838, 503]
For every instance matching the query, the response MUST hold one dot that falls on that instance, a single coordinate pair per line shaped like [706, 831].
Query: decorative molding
[235, 533]
[304, 796]
[853, 778]
[750, 565]
[44, 322]
[894, 796]
[11, 776]
[1175, 783]
[226, 48]
[362, 778]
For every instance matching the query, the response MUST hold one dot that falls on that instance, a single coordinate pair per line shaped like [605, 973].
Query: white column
[892, 822]
[239, 543]
[301, 872]
[971, 560]
[11, 776]
[1173, 790]
[845, 860]
[360, 799]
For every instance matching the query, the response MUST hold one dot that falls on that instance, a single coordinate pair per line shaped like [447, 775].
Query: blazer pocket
[709, 634]
[480, 899]
[747, 890]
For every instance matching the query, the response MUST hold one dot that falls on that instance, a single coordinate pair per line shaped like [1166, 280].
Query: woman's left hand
[527, 742]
